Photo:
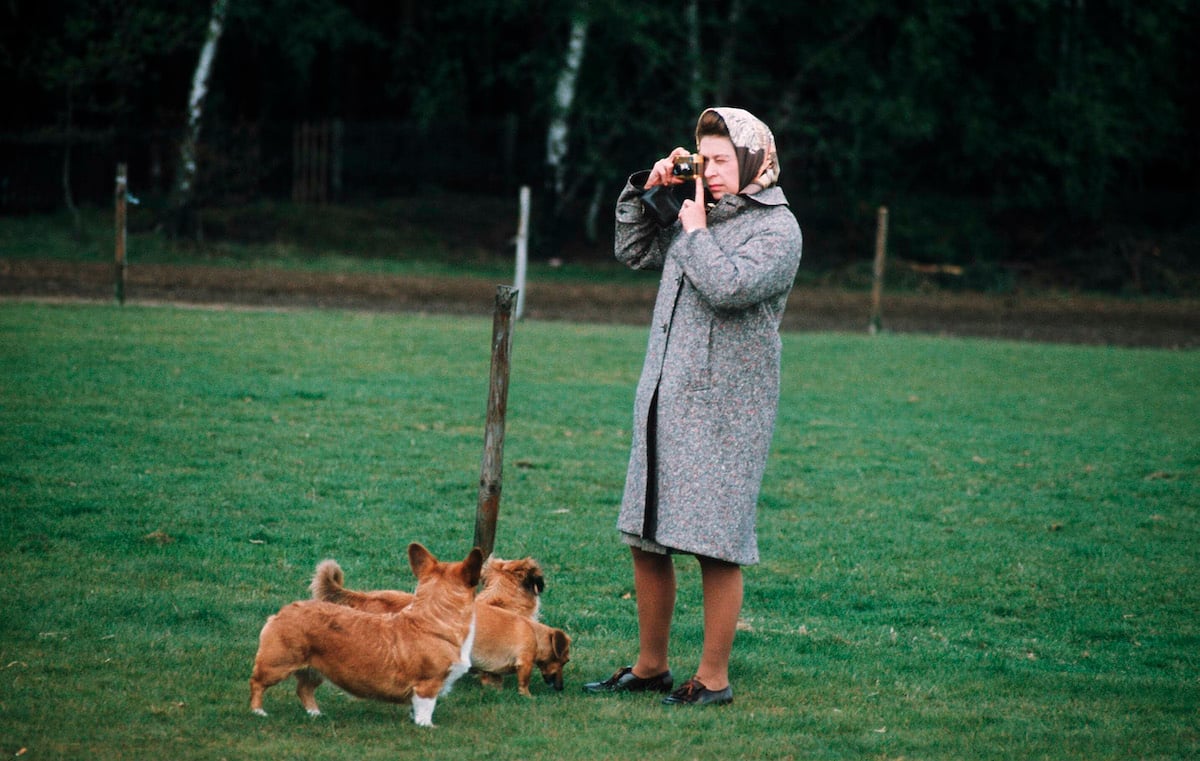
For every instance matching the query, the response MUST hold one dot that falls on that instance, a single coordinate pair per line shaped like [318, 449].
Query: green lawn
[971, 549]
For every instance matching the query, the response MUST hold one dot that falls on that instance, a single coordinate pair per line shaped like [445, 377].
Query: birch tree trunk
[186, 178]
[559, 132]
[558, 135]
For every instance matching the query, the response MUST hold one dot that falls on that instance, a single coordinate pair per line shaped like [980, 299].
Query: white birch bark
[558, 135]
[195, 112]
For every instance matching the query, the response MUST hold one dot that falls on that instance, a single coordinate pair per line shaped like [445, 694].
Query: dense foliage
[1057, 130]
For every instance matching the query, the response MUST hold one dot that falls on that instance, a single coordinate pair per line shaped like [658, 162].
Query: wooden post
[881, 225]
[121, 195]
[493, 443]
[522, 250]
[297, 151]
[321, 159]
[316, 161]
[336, 158]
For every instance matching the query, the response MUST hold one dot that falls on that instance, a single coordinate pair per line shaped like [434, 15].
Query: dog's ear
[419, 558]
[534, 582]
[562, 644]
[472, 567]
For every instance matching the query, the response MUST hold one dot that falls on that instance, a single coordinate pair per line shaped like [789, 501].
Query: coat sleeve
[639, 242]
[739, 273]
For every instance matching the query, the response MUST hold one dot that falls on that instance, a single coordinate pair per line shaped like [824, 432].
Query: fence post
[522, 250]
[297, 164]
[316, 161]
[881, 225]
[321, 146]
[121, 195]
[493, 443]
[337, 138]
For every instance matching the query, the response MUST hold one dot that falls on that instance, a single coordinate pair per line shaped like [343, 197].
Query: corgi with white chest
[409, 656]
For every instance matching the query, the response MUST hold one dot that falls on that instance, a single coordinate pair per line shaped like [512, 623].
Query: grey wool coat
[711, 371]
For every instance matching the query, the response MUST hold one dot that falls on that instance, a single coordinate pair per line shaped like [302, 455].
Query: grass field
[971, 549]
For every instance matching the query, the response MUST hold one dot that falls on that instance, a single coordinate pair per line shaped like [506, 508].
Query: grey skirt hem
[647, 545]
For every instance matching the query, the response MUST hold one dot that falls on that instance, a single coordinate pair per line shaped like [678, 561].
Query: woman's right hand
[662, 174]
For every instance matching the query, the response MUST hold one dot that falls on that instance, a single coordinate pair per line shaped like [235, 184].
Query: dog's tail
[328, 582]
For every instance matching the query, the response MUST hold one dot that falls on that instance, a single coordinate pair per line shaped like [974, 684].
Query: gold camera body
[688, 167]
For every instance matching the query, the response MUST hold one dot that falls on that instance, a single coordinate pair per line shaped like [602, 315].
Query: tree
[186, 177]
[558, 132]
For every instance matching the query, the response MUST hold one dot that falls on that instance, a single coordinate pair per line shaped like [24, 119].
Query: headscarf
[754, 145]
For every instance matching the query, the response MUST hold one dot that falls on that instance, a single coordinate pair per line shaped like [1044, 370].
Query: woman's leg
[722, 584]
[654, 585]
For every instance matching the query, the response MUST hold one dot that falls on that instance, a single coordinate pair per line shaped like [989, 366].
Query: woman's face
[720, 165]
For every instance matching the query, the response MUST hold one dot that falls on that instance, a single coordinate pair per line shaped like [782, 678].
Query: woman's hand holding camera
[662, 173]
[692, 214]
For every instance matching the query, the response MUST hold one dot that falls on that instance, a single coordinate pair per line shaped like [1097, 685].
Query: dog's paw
[313, 712]
[422, 711]
[258, 712]
[491, 680]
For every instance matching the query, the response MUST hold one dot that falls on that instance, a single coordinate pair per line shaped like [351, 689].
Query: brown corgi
[409, 656]
[507, 639]
[509, 643]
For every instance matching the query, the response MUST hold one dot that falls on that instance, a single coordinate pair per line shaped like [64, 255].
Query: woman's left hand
[692, 214]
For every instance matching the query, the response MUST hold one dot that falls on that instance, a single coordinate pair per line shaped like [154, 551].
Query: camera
[663, 202]
[688, 167]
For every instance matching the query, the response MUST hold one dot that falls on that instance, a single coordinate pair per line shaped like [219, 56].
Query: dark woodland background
[1043, 141]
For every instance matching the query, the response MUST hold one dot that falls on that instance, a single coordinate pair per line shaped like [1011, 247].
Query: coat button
[665, 327]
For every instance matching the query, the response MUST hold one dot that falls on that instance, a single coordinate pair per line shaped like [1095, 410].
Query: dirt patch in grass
[1062, 318]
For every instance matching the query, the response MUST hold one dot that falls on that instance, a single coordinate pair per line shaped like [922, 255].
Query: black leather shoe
[625, 681]
[693, 693]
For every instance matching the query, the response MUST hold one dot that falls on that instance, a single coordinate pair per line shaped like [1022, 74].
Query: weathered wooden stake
[493, 441]
[122, 194]
[881, 225]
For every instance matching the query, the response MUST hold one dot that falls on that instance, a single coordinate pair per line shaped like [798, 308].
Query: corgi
[507, 638]
[410, 656]
[509, 643]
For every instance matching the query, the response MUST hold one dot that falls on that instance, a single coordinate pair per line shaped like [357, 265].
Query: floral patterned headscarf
[758, 163]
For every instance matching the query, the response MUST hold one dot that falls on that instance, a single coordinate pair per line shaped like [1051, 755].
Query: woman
[705, 407]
